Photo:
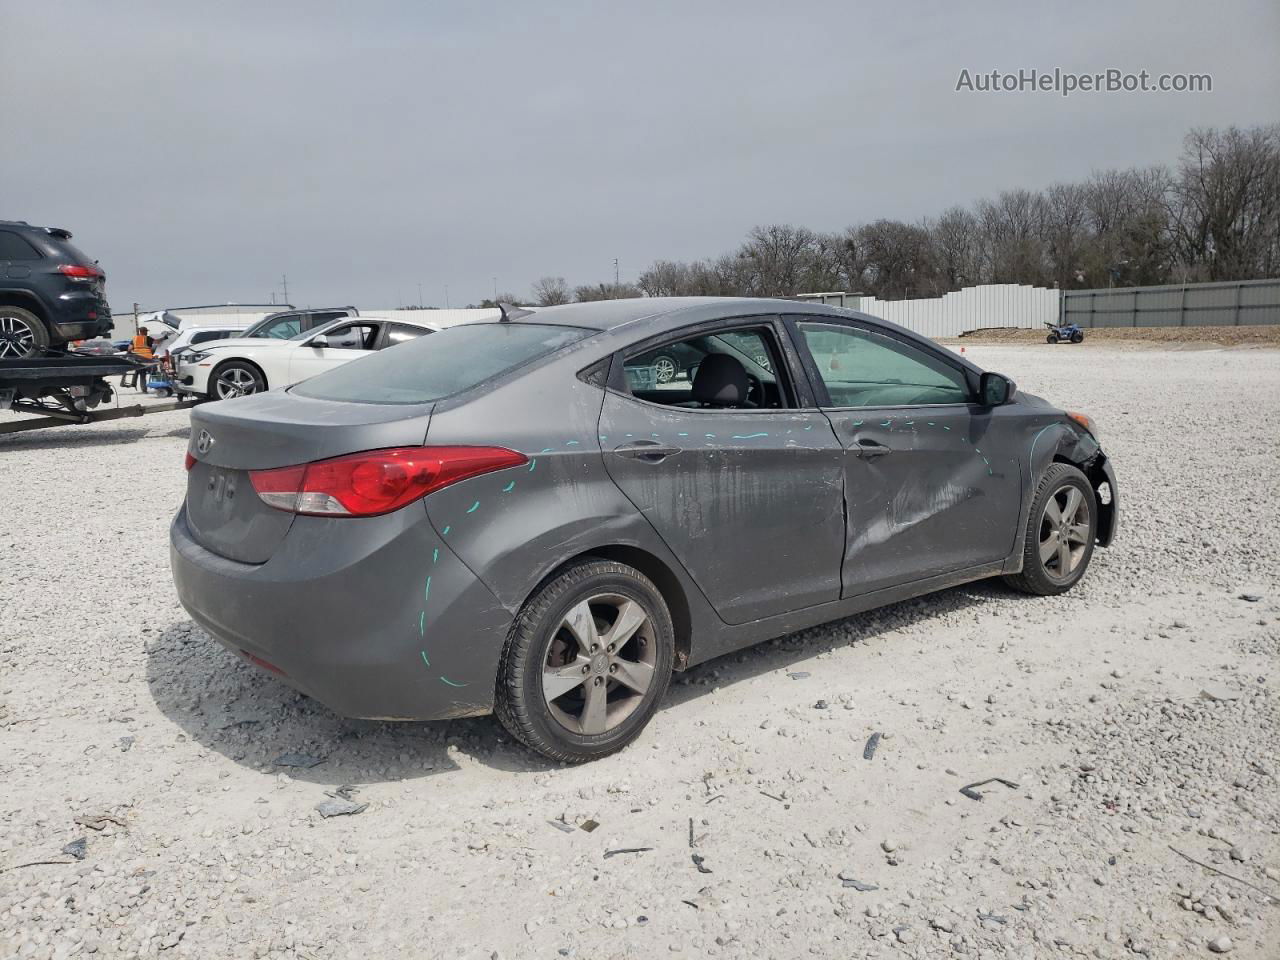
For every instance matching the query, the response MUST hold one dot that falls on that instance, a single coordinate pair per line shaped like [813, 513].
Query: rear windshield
[430, 368]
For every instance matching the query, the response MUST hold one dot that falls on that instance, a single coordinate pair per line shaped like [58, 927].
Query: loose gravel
[1132, 725]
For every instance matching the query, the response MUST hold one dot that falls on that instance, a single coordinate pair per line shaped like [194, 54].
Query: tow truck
[61, 388]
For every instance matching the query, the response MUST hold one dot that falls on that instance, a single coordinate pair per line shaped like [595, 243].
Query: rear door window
[668, 374]
[403, 333]
[445, 363]
[13, 247]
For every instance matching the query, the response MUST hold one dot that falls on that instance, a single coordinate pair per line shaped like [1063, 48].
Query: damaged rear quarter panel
[513, 527]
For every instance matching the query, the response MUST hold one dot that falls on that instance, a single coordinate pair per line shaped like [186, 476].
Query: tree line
[1213, 215]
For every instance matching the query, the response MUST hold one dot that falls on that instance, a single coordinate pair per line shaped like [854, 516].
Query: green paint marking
[857, 423]
[533, 463]
[435, 554]
[547, 450]
[885, 423]
[445, 531]
[571, 443]
[809, 427]
[424, 658]
[422, 624]
[474, 507]
[932, 424]
[681, 434]
[948, 429]
[509, 487]
[748, 436]
[451, 683]
[426, 591]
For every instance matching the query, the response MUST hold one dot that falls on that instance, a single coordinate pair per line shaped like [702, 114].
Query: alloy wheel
[599, 664]
[236, 382]
[1065, 530]
[664, 369]
[16, 338]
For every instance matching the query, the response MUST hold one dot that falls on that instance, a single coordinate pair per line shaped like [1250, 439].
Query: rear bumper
[79, 315]
[381, 621]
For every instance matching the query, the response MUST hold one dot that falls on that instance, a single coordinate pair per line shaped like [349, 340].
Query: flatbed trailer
[65, 388]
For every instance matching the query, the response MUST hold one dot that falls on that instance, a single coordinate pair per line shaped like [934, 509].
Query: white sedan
[233, 368]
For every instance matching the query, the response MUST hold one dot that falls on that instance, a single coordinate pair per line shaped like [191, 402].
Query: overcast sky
[200, 151]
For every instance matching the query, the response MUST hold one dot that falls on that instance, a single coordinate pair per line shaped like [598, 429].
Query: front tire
[1061, 529]
[235, 378]
[1077, 337]
[22, 334]
[586, 662]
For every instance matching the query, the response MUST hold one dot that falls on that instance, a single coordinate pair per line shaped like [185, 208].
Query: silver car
[524, 517]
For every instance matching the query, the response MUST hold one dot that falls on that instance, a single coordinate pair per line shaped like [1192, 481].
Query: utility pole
[495, 289]
[446, 297]
[419, 296]
[616, 280]
[284, 281]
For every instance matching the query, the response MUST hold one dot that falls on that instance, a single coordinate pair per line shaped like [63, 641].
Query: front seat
[721, 381]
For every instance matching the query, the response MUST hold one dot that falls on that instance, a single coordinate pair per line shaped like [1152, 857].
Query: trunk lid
[275, 429]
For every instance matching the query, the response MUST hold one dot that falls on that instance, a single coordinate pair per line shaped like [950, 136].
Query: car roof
[632, 320]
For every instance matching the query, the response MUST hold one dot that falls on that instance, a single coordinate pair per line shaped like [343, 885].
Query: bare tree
[1227, 212]
[551, 292]
[606, 291]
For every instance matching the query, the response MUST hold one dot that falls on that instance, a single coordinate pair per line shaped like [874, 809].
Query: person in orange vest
[141, 347]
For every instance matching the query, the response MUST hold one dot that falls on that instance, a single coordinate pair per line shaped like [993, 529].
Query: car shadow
[794, 649]
[243, 713]
[76, 435]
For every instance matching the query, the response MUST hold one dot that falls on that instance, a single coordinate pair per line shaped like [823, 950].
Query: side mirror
[323, 341]
[995, 389]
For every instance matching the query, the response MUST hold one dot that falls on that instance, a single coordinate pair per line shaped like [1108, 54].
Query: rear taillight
[376, 481]
[78, 271]
[190, 461]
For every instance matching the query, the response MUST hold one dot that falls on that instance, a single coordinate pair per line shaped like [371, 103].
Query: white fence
[973, 308]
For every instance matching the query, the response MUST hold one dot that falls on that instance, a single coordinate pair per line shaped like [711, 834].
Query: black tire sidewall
[527, 716]
[1055, 477]
[40, 338]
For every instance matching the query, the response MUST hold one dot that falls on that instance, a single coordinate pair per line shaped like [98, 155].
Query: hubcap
[16, 339]
[664, 369]
[1064, 532]
[236, 382]
[599, 664]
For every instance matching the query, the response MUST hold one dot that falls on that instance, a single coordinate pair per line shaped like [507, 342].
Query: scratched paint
[748, 436]
[444, 679]
[509, 487]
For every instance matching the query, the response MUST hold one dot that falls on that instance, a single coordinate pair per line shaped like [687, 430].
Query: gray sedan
[525, 517]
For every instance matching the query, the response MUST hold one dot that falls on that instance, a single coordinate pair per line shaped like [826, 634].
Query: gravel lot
[1135, 715]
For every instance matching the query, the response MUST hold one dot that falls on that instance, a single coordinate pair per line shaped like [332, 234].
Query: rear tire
[22, 334]
[1061, 529]
[1051, 338]
[235, 378]
[586, 662]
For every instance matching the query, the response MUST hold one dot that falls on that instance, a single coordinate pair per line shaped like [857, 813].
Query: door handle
[867, 449]
[646, 450]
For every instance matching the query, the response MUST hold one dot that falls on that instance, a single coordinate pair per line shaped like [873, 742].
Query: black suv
[50, 292]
